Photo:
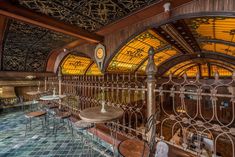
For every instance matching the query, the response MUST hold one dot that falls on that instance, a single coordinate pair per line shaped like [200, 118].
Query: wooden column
[60, 81]
[151, 71]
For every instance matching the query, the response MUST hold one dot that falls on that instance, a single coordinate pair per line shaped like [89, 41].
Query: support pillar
[60, 81]
[45, 84]
[151, 71]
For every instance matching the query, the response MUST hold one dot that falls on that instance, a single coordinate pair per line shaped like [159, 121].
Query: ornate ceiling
[177, 38]
[88, 14]
[26, 47]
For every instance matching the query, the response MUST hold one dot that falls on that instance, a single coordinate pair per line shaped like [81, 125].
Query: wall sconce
[167, 6]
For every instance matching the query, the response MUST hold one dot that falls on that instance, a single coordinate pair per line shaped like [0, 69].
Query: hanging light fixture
[167, 6]
[180, 109]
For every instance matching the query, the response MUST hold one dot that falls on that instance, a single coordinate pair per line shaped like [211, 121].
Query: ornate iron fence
[195, 115]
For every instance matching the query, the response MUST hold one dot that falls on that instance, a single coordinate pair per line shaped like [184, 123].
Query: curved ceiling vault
[79, 65]
[186, 36]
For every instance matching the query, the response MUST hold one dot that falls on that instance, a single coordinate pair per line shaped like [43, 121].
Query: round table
[34, 92]
[94, 114]
[133, 148]
[52, 97]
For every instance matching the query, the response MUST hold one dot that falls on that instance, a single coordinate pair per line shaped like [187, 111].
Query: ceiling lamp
[30, 77]
[167, 6]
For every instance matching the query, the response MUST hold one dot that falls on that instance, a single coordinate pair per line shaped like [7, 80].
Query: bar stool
[35, 114]
[83, 127]
[61, 116]
[141, 148]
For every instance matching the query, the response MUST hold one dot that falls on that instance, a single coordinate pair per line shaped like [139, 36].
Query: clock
[100, 54]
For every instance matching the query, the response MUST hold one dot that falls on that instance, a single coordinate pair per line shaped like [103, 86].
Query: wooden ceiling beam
[139, 15]
[28, 16]
[10, 74]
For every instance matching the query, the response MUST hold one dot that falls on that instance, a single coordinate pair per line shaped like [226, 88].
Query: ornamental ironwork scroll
[198, 115]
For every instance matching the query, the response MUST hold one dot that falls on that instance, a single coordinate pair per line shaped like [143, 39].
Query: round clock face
[100, 53]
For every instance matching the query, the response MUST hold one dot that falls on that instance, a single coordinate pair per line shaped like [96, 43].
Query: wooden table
[94, 114]
[133, 148]
[35, 114]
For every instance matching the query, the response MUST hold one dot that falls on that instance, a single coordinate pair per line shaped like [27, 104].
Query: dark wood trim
[28, 16]
[11, 74]
[216, 41]
[200, 70]
[209, 69]
[3, 26]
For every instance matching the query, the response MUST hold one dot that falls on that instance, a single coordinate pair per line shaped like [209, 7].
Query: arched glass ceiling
[206, 68]
[78, 65]
[216, 32]
[217, 47]
[159, 57]
[135, 52]
[193, 35]
[221, 28]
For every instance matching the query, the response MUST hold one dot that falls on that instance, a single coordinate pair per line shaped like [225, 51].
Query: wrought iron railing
[194, 113]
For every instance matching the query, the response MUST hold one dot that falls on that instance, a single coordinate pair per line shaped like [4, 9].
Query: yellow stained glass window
[178, 67]
[221, 28]
[75, 65]
[222, 71]
[204, 70]
[135, 52]
[227, 65]
[159, 58]
[192, 71]
[220, 48]
[93, 70]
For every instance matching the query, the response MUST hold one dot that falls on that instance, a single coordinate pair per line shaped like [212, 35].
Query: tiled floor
[14, 143]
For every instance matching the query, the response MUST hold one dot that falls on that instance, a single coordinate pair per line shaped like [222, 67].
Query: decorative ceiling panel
[88, 14]
[135, 52]
[93, 70]
[75, 65]
[28, 46]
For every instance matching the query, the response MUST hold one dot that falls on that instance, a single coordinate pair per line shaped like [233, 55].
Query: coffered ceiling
[26, 47]
[87, 14]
